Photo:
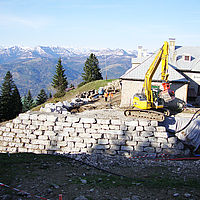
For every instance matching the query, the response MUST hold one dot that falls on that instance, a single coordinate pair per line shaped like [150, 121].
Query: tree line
[11, 103]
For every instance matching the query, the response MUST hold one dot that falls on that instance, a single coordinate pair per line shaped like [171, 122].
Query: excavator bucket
[167, 94]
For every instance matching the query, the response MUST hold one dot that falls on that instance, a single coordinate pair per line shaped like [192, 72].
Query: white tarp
[190, 135]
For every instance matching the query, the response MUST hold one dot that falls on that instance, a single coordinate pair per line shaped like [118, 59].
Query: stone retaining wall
[55, 133]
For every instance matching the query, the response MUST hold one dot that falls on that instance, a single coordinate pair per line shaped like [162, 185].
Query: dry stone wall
[45, 133]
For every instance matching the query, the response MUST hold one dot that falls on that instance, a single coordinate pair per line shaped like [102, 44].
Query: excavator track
[145, 114]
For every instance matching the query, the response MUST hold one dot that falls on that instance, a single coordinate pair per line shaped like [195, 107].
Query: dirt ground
[48, 176]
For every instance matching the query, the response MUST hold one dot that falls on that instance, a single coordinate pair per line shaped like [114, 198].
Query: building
[184, 74]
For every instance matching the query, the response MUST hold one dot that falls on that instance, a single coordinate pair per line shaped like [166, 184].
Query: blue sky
[99, 23]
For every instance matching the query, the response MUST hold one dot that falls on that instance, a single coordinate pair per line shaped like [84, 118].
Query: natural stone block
[84, 135]
[146, 134]
[144, 123]
[110, 136]
[139, 148]
[72, 119]
[90, 140]
[38, 132]
[25, 140]
[162, 140]
[124, 137]
[126, 148]
[101, 147]
[104, 121]
[117, 142]
[43, 137]
[149, 128]
[66, 124]
[123, 127]
[114, 127]
[102, 141]
[132, 123]
[123, 153]
[50, 133]
[74, 139]
[87, 125]
[104, 126]
[80, 130]
[155, 144]
[26, 122]
[52, 118]
[8, 139]
[154, 123]
[69, 129]
[115, 147]
[34, 117]
[80, 145]
[149, 149]
[95, 126]
[88, 120]
[161, 134]
[140, 139]
[58, 128]
[24, 116]
[139, 128]
[111, 152]
[166, 146]
[37, 123]
[91, 131]
[8, 134]
[42, 117]
[158, 150]
[33, 127]
[97, 135]
[131, 143]
[172, 140]
[160, 128]
[143, 144]
[116, 122]
[22, 149]
[77, 125]
[9, 125]
[17, 121]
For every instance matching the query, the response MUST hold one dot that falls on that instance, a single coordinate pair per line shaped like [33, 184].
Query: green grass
[71, 94]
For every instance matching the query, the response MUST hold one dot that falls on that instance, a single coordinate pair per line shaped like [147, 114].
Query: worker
[106, 95]
[111, 95]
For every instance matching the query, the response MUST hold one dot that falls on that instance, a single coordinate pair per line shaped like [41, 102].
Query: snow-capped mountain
[33, 68]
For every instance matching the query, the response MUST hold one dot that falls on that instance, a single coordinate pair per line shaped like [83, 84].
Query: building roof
[138, 73]
[182, 64]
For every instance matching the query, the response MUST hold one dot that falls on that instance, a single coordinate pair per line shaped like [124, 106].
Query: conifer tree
[10, 101]
[28, 102]
[59, 81]
[17, 103]
[42, 97]
[91, 69]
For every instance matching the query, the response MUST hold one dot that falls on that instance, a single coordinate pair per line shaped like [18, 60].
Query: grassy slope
[71, 94]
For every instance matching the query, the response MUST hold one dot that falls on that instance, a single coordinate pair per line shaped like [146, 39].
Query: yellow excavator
[150, 103]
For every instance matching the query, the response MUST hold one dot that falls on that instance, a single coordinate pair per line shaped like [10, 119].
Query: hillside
[33, 68]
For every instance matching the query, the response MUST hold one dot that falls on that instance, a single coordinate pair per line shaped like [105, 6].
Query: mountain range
[33, 68]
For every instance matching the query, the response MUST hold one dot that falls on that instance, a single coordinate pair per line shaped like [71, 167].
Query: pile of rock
[65, 107]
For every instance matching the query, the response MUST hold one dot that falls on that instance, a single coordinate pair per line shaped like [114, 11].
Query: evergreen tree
[10, 101]
[28, 102]
[91, 69]
[59, 81]
[17, 101]
[71, 86]
[42, 97]
[50, 95]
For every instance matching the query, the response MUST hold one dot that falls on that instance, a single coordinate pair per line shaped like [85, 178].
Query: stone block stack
[44, 133]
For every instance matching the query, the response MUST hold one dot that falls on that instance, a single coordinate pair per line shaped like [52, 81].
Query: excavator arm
[162, 55]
